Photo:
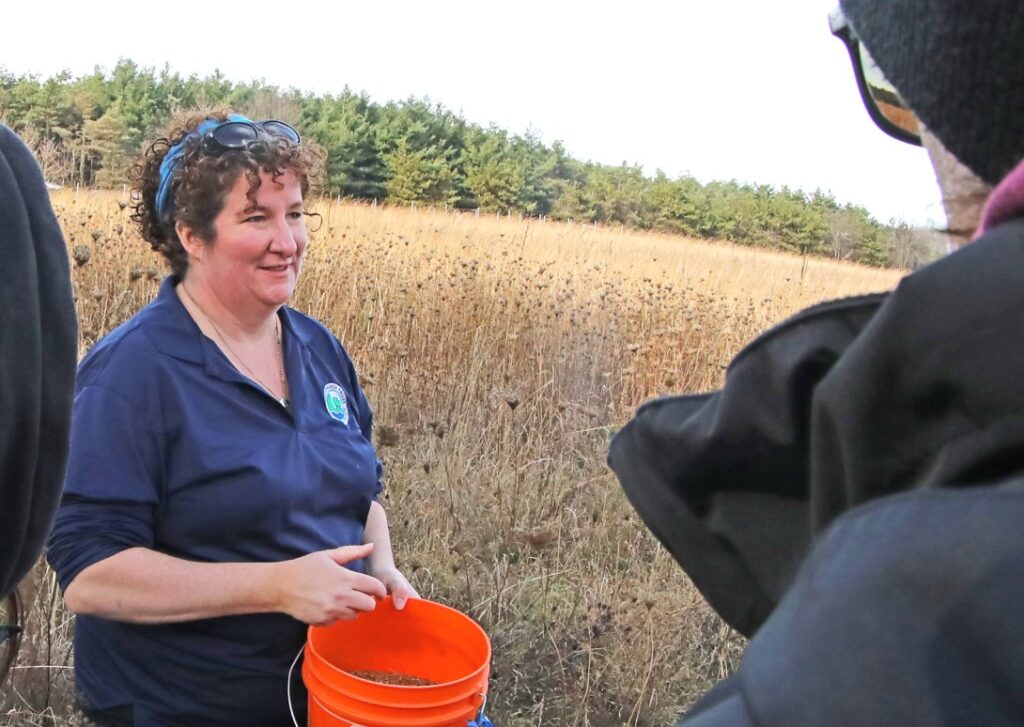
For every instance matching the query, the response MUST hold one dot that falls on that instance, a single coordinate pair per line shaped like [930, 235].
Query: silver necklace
[283, 401]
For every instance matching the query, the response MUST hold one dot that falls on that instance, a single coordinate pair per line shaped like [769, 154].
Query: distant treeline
[89, 130]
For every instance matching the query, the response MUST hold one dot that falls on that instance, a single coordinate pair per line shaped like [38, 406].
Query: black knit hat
[959, 64]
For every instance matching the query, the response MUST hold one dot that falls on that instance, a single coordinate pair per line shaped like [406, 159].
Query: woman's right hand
[318, 589]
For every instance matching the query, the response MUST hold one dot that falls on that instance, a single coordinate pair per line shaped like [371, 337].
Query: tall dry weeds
[499, 355]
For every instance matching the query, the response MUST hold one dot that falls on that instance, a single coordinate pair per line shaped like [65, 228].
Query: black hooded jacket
[854, 499]
[38, 349]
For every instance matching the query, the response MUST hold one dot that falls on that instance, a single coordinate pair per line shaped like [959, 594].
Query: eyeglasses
[236, 133]
[10, 632]
[242, 134]
[884, 104]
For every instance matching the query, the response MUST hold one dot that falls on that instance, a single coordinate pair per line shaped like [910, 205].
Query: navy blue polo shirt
[173, 449]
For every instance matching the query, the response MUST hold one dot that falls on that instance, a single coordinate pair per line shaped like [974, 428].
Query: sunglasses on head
[884, 104]
[237, 133]
[241, 134]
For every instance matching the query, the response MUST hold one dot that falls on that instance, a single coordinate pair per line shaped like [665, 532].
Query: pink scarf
[1005, 202]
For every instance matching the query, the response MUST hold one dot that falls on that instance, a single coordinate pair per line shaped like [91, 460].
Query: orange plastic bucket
[426, 640]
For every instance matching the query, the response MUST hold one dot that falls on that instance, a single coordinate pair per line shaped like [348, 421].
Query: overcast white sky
[754, 90]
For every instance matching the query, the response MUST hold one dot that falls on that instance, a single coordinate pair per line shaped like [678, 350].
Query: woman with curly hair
[222, 490]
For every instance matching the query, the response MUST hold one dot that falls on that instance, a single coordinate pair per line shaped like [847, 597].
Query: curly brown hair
[201, 182]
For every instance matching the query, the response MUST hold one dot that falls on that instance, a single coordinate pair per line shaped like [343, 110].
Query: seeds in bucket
[393, 678]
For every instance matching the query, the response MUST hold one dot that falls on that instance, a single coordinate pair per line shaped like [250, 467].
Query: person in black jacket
[38, 347]
[852, 498]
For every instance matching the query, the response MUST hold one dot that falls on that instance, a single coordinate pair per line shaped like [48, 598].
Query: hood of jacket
[38, 350]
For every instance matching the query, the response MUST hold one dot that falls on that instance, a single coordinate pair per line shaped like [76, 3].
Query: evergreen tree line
[89, 130]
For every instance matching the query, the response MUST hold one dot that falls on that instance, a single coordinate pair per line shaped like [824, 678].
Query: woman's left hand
[398, 587]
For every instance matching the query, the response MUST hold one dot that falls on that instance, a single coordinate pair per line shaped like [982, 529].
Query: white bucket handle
[291, 709]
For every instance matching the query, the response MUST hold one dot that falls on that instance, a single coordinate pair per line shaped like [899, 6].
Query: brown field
[499, 354]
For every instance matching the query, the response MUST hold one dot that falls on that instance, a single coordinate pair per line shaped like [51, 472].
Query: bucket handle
[291, 709]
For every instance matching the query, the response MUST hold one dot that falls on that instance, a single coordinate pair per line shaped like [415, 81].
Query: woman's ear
[190, 240]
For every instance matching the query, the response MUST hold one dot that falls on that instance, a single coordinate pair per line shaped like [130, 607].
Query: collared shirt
[173, 449]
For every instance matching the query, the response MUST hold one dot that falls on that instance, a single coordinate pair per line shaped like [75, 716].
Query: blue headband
[172, 159]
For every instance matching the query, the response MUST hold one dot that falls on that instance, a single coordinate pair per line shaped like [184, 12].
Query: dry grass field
[499, 355]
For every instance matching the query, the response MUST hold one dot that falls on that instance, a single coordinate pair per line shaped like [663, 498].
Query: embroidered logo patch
[334, 400]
